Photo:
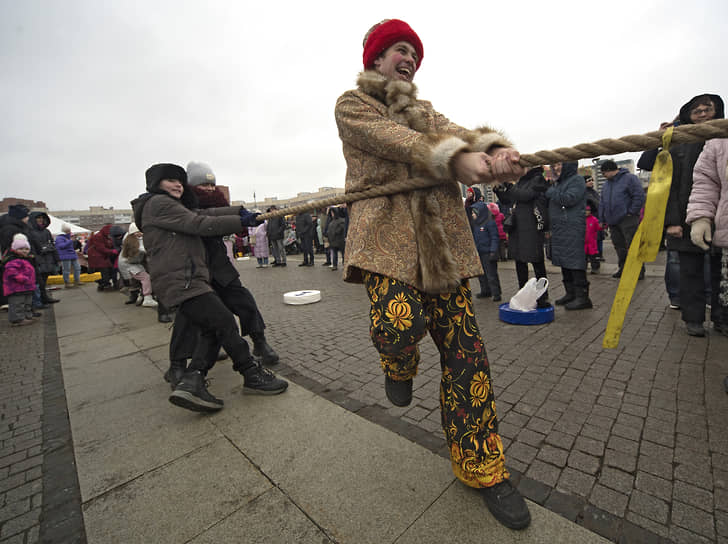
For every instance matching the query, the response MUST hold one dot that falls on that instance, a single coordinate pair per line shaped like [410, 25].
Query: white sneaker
[149, 302]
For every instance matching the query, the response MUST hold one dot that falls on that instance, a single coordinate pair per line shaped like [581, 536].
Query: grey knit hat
[198, 173]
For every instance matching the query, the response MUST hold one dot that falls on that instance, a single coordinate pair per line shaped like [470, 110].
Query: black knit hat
[18, 211]
[608, 166]
[158, 172]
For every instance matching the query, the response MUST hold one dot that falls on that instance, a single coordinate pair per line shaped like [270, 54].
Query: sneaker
[4, 307]
[261, 381]
[265, 354]
[695, 329]
[334, 268]
[507, 505]
[399, 392]
[191, 393]
[149, 302]
[674, 305]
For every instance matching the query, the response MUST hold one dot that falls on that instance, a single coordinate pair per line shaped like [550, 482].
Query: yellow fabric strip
[646, 242]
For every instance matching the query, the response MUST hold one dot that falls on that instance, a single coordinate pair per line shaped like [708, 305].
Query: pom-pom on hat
[386, 34]
[198, 173]
[19, 242]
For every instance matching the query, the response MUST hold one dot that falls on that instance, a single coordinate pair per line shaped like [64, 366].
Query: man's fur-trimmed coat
[421, 237]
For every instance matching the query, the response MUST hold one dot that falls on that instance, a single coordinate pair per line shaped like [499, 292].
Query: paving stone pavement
[630, 443]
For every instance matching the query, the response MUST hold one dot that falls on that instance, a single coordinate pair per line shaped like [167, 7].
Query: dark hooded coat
[101, 252]
[485, 230]
[529, 208]
[42, 244]
[567, 216]
[173, 232]
[9, 227]
[684, 157]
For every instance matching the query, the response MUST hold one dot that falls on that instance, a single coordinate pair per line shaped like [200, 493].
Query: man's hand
[505, 164]
[675, 231]
[472, 168]
[701, 232]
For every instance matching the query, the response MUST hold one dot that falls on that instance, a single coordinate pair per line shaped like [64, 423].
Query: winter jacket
[261, 241]
[42, 245]
[132, 257]
[176, 256]
[18, 274]
[276, 228]
[499, 217]
[621, 196]
[304, 225]
[65, 247]
[485, 231]
[591, 238]
[101, 253]
[567, 214]
[336, 230]
[530, 214]
[709, 195]
[9, 227]
[592, 200]
[684, 158]
[421, 237]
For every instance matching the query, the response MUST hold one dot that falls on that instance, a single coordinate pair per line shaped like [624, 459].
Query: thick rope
[682, 134]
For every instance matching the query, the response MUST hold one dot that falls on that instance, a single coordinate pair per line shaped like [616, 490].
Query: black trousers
[622, 234]
[217, 327]
[307, 248]
[574, 276]
[692, 287]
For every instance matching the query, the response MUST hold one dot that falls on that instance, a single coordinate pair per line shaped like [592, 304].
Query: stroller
[290, 243]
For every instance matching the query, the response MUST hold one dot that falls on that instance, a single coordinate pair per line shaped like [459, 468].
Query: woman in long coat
[530, 223]
[567, 215]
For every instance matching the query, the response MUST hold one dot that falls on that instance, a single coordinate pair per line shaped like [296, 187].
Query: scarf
[210, 199]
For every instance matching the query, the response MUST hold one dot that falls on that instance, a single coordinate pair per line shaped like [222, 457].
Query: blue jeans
[672, 276]
[67, 265]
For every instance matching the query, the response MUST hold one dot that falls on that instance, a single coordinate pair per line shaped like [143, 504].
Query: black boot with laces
[261, 381]
[191, 393]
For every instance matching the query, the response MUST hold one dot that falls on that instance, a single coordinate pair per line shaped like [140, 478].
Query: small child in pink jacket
[591, 247]
[19, 281]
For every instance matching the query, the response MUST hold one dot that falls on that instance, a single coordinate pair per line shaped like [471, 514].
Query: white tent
[56, 227]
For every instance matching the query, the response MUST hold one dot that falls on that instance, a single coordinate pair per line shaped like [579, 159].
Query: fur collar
[400, 98]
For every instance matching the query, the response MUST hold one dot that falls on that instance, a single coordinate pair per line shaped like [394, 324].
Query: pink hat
[19, 242]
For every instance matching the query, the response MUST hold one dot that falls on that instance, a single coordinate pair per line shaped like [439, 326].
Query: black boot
[399, 392]
[543, 301]
[175, 372]
[568, 297]
[263, 351]
[261, 381]
[133, 295]
[163, 314]
[191, 393]
[507, 505]
[581, 300]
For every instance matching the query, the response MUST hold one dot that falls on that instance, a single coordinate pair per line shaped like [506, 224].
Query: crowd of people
[414, 252]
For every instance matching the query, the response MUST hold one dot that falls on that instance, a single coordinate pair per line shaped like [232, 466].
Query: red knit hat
[386, 34]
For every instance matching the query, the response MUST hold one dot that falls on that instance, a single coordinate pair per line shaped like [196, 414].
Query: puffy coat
[421, 237]
[176, 257]
[485, 231]
[42, 245]
[567, 215]
[499, 217]
[529, 203]
[261, 241]
[65, 247]
[709, 195]
[621, 195]
[18, 275]
[100, 250]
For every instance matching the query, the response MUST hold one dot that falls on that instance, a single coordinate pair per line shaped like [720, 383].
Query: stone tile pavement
[630, 443]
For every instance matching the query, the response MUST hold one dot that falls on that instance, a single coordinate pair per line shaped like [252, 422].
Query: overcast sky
[92, 93]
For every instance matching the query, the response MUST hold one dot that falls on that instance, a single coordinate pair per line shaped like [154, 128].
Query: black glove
[248, 219]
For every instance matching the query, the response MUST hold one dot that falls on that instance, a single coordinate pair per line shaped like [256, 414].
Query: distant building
[33, 205]
[300, 198]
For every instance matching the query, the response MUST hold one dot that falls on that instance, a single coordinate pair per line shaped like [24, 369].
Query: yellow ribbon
[646, 241]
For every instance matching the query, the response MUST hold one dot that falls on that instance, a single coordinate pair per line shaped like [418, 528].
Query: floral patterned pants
[400, 316]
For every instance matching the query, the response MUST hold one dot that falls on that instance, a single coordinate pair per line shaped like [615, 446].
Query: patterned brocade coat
[422, 237]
